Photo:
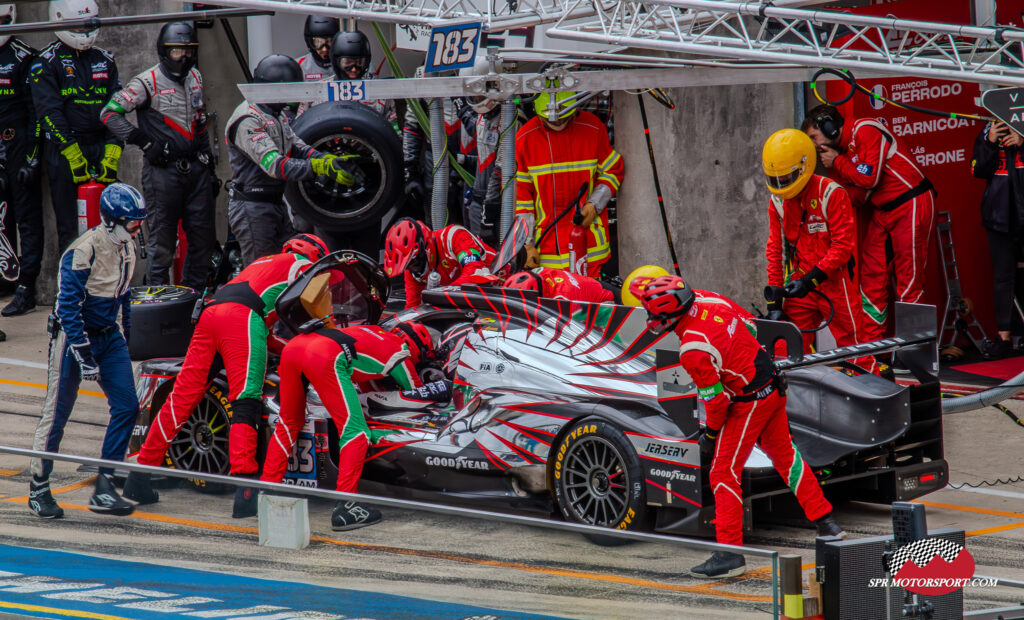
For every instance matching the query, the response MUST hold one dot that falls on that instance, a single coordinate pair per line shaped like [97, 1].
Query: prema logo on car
[932, 566]
[673, 474]
[459, 462]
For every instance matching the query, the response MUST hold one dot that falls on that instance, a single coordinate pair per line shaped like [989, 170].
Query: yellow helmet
[540, 103]
[647, 272]
[789, 159]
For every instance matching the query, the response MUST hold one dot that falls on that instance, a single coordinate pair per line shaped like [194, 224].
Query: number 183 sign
[452, 47]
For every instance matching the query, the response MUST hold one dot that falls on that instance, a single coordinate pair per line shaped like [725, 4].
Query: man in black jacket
[998, 158]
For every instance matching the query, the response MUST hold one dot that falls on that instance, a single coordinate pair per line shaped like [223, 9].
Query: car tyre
[202, 443]
[598, 479]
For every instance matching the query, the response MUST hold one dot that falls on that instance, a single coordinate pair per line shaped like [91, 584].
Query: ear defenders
[829, 126]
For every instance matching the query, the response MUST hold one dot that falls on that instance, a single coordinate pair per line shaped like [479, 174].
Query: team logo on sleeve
[865, 168]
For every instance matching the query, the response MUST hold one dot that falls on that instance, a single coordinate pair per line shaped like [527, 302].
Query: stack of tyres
[161, 321]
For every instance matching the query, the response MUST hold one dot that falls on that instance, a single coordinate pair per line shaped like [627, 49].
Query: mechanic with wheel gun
[560, 284]
[177, 175]
[864, 154]
[452, 255]
[811, 242]
[265, 154]
[332, 360]
[235, 325]
[71, 82]
[93, 287]
[19, 164]
[744, 399]
[557, 151]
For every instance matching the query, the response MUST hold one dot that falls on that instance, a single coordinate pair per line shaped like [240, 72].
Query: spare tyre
[161, 321]
[373, 150]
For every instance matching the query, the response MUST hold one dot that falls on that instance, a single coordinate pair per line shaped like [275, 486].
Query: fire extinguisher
[89, 205]
[578, 244]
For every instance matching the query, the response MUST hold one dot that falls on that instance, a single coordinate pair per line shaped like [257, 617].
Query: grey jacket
[264, 151]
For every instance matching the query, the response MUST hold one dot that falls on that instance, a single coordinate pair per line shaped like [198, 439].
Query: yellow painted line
[974, 509]
[88, 482]
[68, 613]
[10, 472]
[993, 530]
[43, 386]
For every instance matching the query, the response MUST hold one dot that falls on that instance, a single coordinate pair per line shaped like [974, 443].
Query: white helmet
[480, 104]
[63, 10]
[8, 15]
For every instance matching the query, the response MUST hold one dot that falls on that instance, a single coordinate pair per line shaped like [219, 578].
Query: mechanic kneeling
[333, 360]
[236, 326]
[561, 284]
[745, 403]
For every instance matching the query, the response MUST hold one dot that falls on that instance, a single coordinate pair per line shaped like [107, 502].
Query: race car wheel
[597, 477]
[202, 444]
[373, 154]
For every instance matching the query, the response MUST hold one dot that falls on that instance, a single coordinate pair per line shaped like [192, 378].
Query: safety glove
[27, 172]
[707, 441]
[774, 296]
[532, 257]
[332, 167]
[589, 213]
[83, 355]
[108, 165]
[76, 163]
[803, 286]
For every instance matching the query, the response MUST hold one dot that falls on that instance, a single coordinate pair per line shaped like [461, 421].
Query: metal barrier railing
[378, 500]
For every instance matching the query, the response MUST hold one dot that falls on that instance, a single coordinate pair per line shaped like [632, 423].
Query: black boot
[721, 564]
[24, 302]
[41, 502]
[828, 527]
[352, 515]
[246, 503]
[139, 489]
[106, 501]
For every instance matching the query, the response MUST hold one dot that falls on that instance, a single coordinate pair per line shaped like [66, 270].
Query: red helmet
[419, 339]
[666, 299]
[310, 246]
[409, 244]
[524, 281]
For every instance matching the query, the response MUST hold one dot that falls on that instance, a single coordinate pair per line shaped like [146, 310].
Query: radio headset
[829, 125]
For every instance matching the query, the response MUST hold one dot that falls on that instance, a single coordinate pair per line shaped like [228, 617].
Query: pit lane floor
[449, 564]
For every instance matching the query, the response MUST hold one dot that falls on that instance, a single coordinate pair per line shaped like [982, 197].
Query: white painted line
[13, 362]
[989, 492]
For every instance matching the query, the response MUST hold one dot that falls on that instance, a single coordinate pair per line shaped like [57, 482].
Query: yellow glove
[589, 213]
[77, 163]
[327, 165]
[532, 257]
[108, 165]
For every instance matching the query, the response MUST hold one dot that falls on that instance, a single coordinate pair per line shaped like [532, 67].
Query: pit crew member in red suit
[234, 325]
[453, 252]
[737, 382]
[560, 284]
[865, 154]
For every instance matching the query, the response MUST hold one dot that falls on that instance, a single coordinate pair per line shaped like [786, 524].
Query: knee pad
[246, 411]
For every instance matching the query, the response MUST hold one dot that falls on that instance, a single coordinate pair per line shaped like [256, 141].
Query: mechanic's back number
[346, 91]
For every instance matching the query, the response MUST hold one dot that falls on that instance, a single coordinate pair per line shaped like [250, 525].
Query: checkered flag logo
[921, 552]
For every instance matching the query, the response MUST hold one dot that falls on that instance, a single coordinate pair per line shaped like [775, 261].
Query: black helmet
[177, 35]
[320, 27]
[277, 68]
[350, 45]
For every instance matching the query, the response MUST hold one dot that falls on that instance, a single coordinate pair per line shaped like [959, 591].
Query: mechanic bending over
[93, 287]
[265, 154]
[332, 360]
[811, 240]
[561, 284]
[71, 82]
[453, 253]
[745, 404]
[177, 175]
[865, 155]
[556, 152]
[235, 325]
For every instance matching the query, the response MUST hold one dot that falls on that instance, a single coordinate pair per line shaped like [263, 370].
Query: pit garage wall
[708, 153]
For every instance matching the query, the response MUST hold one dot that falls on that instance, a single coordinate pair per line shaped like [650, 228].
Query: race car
[575, 411]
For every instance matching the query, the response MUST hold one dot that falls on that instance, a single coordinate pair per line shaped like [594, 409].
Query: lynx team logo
[932, 566]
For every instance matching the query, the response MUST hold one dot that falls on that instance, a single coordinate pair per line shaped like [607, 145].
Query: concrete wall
[708, 153]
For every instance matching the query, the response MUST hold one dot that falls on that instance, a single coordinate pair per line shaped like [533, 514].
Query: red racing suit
[333, 360]
[458, 255]
[902, 211]
[234, 325]
[816, 229]
[561, 284]
[735, 379]
[550, 168]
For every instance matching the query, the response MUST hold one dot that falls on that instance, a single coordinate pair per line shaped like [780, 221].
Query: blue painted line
[56, 584]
